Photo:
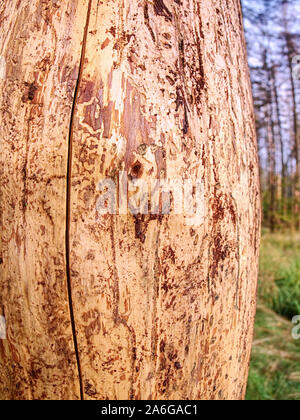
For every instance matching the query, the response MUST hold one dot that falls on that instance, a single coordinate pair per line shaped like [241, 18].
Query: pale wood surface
[162, 309]
[41, 45]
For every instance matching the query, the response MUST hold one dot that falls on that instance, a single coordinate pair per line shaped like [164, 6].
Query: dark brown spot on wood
[170, 80]
[161, 9]
[105, 43]
[35, 373]
[89, 389]
[218, 210]
[168, 253]
[112, 30]
[220, 253]
[141, 222]
[181, 53]
[167, 36]
[178, 365]
[232, 213]
[180, 101]
[139, 227]
[185, 127]
[30, 93]
[137, 170]
[147, 21]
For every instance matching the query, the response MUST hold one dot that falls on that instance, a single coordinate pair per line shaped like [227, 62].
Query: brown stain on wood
[160, 9]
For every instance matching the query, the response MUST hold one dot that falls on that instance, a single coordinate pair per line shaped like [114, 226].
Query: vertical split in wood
[68, 199]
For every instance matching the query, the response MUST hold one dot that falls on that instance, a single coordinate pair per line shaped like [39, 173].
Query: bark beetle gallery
[125, 306]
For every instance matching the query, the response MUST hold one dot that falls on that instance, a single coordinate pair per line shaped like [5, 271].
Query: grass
[275, 365]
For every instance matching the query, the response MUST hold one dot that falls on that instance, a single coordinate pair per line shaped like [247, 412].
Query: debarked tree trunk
[103, 299]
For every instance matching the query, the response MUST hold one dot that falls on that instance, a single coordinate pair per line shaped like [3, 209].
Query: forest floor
[275, 364]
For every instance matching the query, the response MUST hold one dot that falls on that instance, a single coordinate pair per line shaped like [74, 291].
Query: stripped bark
[124, 306]
[40, 43]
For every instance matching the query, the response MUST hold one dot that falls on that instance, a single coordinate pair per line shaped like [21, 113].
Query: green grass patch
[275, 364]
[287, 299]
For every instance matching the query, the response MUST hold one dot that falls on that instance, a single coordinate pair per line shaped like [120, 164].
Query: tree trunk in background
[290, 54]
[271, 146]
[296, 144]
[281, 143]
[272, 170]
[123, 306]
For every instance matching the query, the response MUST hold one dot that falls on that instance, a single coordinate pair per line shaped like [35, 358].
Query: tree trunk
[291, 52]
[271, 147]
[281, 143]
[126, 306]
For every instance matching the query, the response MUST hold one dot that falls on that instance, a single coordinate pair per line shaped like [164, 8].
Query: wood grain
[40, 42]
[164, 310]
[125, 306]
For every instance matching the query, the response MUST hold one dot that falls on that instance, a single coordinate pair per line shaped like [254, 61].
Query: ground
[275, 364]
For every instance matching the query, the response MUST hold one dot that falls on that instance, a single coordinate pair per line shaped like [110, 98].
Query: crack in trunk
[68, 200]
